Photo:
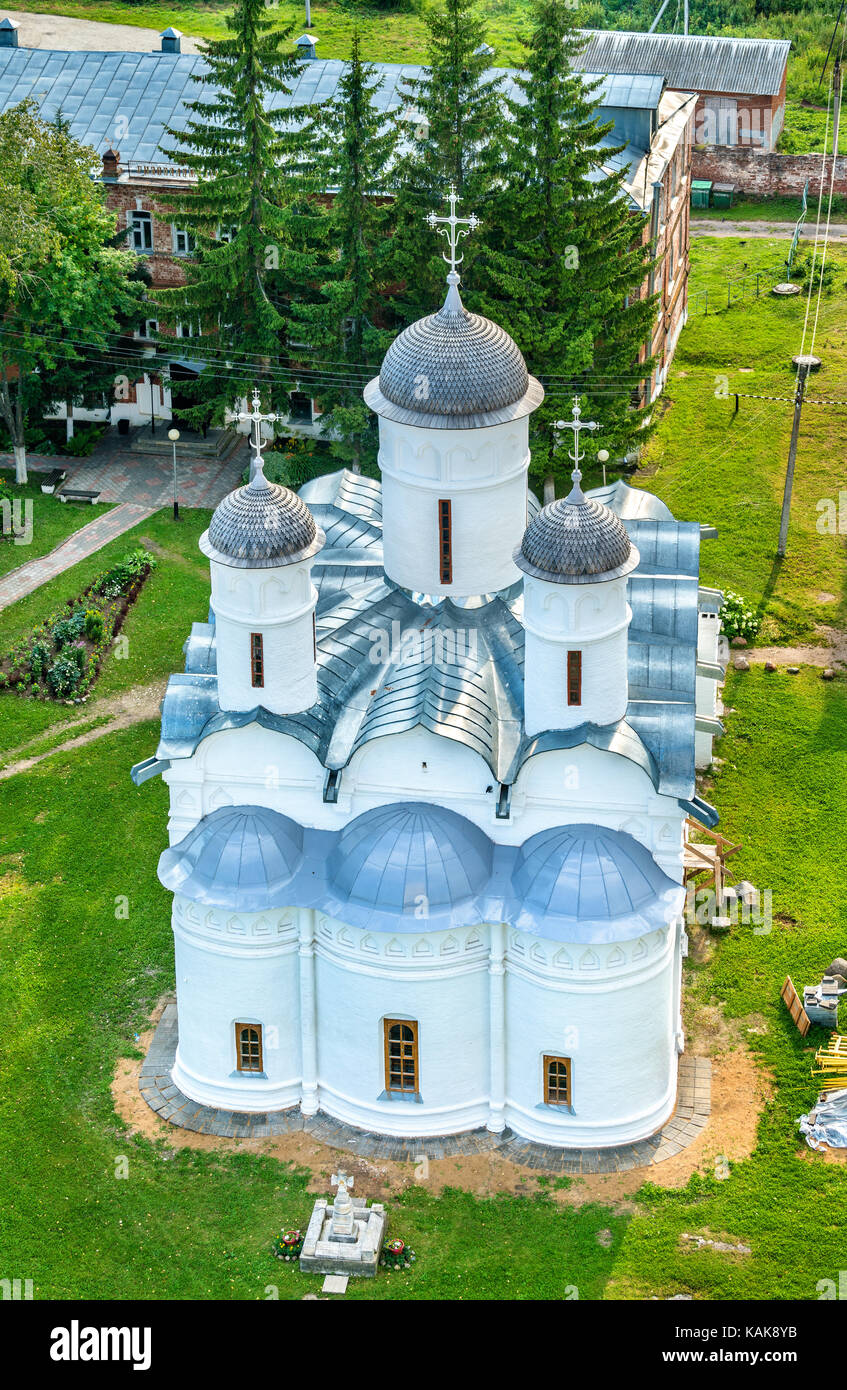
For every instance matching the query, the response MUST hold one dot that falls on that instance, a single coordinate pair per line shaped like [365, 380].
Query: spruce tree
[348, 148]
[563, 263]
[453, 130]
[239, 214]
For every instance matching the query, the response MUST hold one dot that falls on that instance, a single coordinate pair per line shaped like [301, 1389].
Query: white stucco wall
[279, 603]
[482, 1034]
[592, 619]
[483, 473]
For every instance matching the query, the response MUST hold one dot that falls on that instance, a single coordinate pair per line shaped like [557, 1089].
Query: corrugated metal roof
[692, 62]
[125, 100]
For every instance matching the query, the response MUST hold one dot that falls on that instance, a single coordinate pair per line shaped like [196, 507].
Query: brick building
[120, 103]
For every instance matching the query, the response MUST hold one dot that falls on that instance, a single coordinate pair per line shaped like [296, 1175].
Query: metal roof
[125, 100]
[575, 540]
[389, 663]
[396, 867]
[692, 62]
[261, 526]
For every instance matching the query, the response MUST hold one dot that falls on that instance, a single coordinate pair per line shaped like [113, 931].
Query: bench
[72, 494]
[51, 480]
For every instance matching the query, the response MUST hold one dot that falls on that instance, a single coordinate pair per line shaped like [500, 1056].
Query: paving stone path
[690, 1117]
[33, 573]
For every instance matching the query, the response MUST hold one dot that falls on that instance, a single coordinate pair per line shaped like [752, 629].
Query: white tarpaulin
[826, 1125]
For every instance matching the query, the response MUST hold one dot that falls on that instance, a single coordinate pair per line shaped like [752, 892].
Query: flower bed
[60, 659]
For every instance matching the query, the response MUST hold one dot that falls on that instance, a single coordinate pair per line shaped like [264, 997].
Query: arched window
[248, 1046]
[401, 1056]
[557, 1080]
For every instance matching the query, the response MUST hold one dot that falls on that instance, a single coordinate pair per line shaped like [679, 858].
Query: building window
[257, 659]
[141, 231]
[248, 1046]
[227, 233]
[183, 241]
[574, 678]
[315, 638]
[188, 329]
[401, 1056]
[557, 1080]
[445, 541]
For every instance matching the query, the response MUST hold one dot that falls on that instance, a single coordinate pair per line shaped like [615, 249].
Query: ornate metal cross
[577, 425]
[453, 228]
[257, 419]
[341, 1180]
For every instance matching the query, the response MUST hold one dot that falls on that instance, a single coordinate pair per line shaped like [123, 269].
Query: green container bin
[722, 194]
[700, 191]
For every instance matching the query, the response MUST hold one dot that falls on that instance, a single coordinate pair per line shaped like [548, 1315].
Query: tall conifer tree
[240, 213]
[349, 148]
[453, 125]
[563, 264]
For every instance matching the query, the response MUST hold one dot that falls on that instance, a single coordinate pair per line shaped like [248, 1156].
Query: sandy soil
[739, 1090]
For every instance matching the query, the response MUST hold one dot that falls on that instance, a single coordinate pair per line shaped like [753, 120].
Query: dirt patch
[130, 707]
[831, 652]
[739, 1090]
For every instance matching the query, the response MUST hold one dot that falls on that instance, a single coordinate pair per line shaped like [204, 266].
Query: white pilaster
[497, 1027]
[308, 1014]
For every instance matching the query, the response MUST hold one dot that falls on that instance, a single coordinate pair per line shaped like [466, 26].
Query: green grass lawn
[775, 209]
[78, 982]
[52, 521]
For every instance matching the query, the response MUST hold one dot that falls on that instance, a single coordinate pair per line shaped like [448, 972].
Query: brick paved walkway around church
[690, 1117]
[33, 573]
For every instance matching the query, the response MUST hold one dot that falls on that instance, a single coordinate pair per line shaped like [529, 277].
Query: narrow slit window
[574, 678]
[257, 659]
[445, 541]
[557, 1080]
[314, 637]
[401, 1056]
[248, 1046]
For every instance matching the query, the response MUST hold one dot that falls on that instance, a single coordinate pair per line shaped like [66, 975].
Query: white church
[430, 766]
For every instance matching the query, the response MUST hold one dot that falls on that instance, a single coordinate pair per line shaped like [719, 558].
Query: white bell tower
[575, 556]
[261, 543]
[454, 399]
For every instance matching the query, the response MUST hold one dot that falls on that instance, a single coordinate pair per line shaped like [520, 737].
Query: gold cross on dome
[453, 228]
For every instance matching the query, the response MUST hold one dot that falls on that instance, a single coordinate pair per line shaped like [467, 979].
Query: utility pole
[686, 16]
[804, 364]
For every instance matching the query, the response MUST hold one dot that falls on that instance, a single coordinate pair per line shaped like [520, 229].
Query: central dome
[453, 369]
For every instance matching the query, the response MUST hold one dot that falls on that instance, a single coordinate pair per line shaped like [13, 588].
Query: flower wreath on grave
[288, 1245]
[396, 1254]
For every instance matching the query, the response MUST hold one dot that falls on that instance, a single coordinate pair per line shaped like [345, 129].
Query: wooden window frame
[550, 1089]
[445, 540]
[388, 1024]
[574, 678]
[257, 661]
[239, 1056]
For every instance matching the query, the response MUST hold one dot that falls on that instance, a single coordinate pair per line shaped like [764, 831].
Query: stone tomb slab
[358, 1257]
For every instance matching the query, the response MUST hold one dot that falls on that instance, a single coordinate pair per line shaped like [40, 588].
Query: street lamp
[173, 436]
[603, 457]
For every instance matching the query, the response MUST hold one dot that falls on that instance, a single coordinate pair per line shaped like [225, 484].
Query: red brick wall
[165, 268]
[767, 174]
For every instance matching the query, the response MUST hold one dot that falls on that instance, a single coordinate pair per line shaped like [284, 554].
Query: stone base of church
[691, 1114]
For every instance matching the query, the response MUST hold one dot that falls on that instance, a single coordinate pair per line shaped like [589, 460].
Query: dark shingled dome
[453, 367]
[576, 540]
[261, 525]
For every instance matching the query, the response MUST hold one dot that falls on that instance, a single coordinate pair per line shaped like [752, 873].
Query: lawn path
[60, 31]
[129, 707]
[89, 539]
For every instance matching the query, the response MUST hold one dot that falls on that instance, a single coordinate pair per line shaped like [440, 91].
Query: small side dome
[261, 526]
[453, 369]
[586, 873]
[241, 857]
[409, 855]
[576, 540]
